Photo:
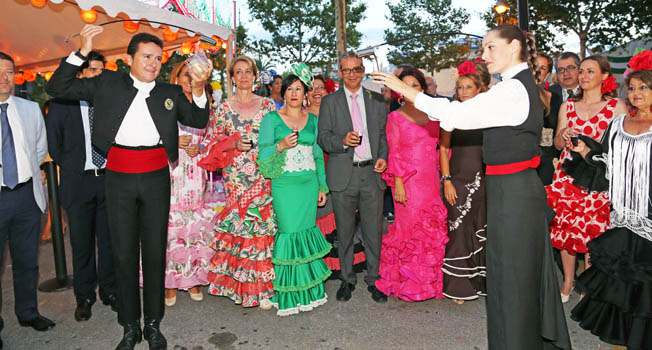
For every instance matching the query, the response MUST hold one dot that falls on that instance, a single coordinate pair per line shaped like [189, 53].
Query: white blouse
[505, 104]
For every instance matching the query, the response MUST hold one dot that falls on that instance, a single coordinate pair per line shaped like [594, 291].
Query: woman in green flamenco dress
[290, 156]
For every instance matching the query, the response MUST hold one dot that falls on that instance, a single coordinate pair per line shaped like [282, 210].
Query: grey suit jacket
[335, 122]
[36, 144]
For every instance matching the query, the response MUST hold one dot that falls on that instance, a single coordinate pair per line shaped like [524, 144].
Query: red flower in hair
[396, 95]
[608, 85]
[330, 85]
[466, 68]
[642, 61]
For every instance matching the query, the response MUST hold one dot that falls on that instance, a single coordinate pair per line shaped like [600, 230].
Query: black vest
[511, 144]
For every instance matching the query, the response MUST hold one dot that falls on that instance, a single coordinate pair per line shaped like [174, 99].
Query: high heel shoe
[199, 296]
[171, 301]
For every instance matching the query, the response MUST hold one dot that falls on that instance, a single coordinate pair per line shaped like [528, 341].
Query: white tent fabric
[619, 56]
[37, 38]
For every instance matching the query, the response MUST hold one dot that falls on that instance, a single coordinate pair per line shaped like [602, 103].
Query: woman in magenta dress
[581, 215]
[413, 249]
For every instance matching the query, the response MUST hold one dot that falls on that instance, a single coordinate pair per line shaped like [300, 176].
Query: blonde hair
[246, 59]
[176, 71]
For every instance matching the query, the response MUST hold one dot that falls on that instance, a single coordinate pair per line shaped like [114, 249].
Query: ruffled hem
[618, 289]
[255, 248]
[301, 308]
[286, 302]
[411, 262]
[326, 223]
[569, 202]
[300, 247]
[218, 156]
[272, 167]
[199, 278]
[359, 262]
[291, 278]
[247, 294]
[242, 270]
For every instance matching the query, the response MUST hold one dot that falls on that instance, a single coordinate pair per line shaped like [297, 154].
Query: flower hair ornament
[466, 68]
[331, 85]
[608, 85]
[641, 61]
[302, 71]
[267, 76]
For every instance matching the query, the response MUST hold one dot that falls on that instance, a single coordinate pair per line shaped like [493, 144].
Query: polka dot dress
[581, 215]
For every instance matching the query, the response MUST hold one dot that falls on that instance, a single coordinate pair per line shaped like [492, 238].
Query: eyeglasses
[356, 70]
[569, 69]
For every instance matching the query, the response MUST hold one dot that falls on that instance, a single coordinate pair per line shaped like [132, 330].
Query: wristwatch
[79, 54]
[445, 178]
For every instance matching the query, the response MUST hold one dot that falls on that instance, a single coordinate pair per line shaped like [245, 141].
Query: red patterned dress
[241, 268]
[581, 215]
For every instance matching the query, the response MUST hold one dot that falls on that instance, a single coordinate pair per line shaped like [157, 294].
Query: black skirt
[524, 310]
[617, 306]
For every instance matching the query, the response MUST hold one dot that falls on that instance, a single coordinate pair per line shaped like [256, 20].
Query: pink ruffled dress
[412, 253]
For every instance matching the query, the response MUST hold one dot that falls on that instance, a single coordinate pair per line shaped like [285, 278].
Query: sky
[373, 26]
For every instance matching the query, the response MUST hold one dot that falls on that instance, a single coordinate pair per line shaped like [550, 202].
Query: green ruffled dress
[297, 174]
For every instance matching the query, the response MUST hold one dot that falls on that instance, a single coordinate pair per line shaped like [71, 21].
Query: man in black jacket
[135, 123]
[69, 125]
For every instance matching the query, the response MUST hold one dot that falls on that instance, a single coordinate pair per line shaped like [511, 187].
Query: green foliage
[599, 24]
[303, 31]
[423, 23]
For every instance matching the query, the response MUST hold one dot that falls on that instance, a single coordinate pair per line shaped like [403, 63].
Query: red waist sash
[512, 168]
[136, 160]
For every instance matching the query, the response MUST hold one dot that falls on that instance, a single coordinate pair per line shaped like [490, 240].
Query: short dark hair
[93, 56]
[289, 80]
[142, 38]
[416, 74]
[4, 56]
[568, 54]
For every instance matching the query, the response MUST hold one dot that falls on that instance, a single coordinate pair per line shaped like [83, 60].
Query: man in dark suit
[22, 200]
[69, 126]
[568, 71]
[135, 124]
[352, 132]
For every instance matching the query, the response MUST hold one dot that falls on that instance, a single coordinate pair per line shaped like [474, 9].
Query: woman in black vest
[523, 306]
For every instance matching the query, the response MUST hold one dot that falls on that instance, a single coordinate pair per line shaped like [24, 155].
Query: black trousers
[20, 223]
[89, 225]
[138, 207]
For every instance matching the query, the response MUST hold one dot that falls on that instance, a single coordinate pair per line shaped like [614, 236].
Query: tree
[599, 24]
[303, 31]
[418, 33]
[546, 40]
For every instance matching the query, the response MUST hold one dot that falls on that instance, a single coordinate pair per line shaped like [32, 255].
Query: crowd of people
[561, 169]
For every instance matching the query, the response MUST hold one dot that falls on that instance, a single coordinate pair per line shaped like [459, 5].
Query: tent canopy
[37, 37]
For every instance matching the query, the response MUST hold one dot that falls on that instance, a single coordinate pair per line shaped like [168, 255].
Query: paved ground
[216, 323]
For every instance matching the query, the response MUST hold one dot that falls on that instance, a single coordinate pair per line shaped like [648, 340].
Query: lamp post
[500, 9]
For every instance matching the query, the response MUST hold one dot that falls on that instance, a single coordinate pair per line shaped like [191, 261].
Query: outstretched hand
[394, 83]
[86, 35]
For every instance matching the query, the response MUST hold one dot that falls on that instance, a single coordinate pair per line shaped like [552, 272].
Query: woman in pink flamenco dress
[412, 253]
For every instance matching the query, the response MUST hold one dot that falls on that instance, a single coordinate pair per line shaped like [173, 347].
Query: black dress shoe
[111, 300]
[132, 336]
[153, 335]
[377, 295]
[83, 310]
[344, 293]
[40, 323]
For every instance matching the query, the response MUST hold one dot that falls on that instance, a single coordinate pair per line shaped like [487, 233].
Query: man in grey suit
[352, 132]
[23, 147]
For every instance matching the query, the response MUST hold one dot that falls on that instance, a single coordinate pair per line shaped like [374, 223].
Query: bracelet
[445, 178]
